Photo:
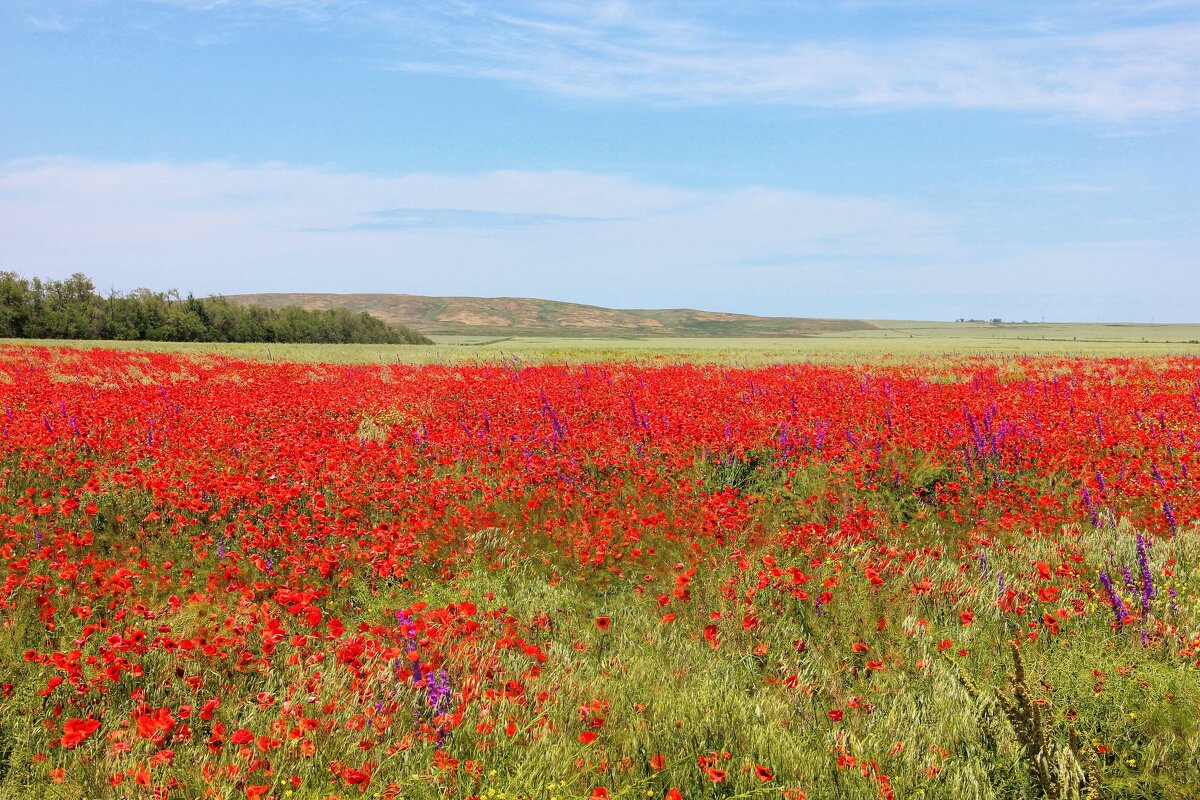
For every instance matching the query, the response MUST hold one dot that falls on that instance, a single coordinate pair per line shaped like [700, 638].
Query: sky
[933, 159]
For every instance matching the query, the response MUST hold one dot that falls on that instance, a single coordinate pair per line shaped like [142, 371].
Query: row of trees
[71, 309]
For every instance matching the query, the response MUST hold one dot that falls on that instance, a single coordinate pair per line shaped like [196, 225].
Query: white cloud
[217, 227]
[604, 239]
[49, 22]
[1112, 75]
[309, 8]
[1093, 60]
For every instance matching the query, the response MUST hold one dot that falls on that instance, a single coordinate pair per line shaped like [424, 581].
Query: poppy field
[950, 577]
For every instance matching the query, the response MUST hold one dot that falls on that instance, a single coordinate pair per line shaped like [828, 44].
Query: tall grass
[940, 717]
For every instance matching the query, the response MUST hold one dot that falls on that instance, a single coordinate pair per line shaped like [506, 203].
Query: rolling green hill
[516, 316]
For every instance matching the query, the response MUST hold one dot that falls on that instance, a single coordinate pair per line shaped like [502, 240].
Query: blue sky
[923, 160]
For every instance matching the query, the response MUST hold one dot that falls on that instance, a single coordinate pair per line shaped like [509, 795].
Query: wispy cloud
[604, 239]
[49, 22]
[308, 8]
[1077, 188]
[430, 218]
[1102, 60]
[569, 234]
[1109, 74]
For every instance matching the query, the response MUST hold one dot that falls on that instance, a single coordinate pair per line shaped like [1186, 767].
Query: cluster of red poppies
[217, 571]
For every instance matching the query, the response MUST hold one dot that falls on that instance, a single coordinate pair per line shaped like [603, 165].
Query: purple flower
[1127, 574]
[1169, 513]
[1091, 509]
[1158, 476]
[440, 692]
[559, 431]
[1143, 559]
[1114, 599]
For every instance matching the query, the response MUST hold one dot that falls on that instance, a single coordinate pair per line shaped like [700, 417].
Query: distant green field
[901, 339]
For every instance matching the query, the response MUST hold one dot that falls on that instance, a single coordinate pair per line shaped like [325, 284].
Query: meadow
[589, 569]
[889, 340]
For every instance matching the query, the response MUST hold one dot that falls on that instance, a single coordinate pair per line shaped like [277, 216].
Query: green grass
[899, 339]
[663, 687]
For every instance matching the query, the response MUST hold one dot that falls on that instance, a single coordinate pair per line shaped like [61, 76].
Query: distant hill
[519, 316]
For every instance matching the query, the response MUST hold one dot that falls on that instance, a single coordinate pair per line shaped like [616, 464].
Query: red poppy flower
[206, 712]
[75, 730]
[356, 777]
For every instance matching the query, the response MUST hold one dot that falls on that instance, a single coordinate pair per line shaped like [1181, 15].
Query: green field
[899, 338]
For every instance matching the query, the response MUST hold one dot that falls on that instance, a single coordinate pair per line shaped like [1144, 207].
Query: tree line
[31, 308]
